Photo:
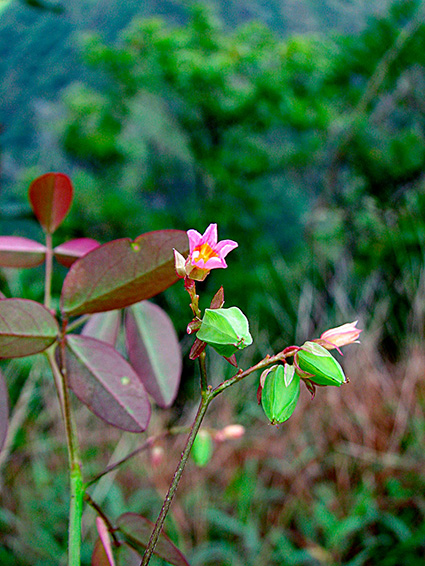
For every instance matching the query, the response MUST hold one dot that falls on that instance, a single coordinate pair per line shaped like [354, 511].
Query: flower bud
[229, 432]
[179, 264]
[281, 390]
[157, 456]
[323, 369]
[340, 336]
[226, 330]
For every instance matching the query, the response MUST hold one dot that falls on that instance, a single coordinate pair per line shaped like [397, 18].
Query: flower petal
[194, 239]
[213, 263]
[225, 246]
[210, 236]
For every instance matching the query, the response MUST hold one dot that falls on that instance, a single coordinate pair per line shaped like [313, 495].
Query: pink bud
[157, 456]
[340, 336]
[229, 432]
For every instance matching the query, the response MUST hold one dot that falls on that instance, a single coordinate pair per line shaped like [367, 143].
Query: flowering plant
[104, 292]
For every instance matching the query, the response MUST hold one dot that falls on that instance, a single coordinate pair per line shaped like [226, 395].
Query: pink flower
[340, 336]
[205, 254]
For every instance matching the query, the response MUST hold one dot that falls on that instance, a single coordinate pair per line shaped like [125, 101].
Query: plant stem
[77, 488]
[264, 363]
[145, 446]
[208, 394]
[207, 397]
[48, 272]
[203, 368]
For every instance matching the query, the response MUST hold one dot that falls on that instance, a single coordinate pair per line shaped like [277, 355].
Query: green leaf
[122, 272]
[320, 363]
[104, 381]
[202, 448]
[51, 197]
[280, 393]
[226, 330]
[26, 328]
[154, 351]
[137, 530]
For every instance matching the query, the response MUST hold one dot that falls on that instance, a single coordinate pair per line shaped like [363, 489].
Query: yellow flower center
[204, 252]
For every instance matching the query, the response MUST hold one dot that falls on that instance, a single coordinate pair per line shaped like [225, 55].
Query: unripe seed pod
[280, 394]
[320, 364]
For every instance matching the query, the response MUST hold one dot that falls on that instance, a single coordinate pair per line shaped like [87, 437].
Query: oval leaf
[103, 326]
[51, 197]
[121, 273]
[127, 556]
[26, 328]
[104, 381]
[102, 553]
[138, 529]
[99, 556]
[4, 411]
[70, 251]
[154, 351]
[20, 252]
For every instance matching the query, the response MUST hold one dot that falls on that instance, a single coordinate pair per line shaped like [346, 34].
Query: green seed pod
[319, 362]
[226, 330]
[280, 393]
[202, 448]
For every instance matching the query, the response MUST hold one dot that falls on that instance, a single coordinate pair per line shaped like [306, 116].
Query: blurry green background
[299, 127]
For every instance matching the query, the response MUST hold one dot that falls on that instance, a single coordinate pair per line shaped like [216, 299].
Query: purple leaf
[26, 328]
[20, 252]
[138, 529]
[51, 197]
[70, 251]
[98, 558]
[104, 381]
[122, 272]
[154, 351]
[103, 326]
[127, 556]
[4, 411]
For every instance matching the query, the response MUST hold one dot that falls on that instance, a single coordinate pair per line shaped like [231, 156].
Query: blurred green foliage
[309, 150]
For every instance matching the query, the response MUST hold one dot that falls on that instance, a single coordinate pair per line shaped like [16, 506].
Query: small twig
[99, 511]
[147, 444]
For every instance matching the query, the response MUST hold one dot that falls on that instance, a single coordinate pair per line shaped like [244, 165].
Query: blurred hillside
[308, 149]
[40, 48]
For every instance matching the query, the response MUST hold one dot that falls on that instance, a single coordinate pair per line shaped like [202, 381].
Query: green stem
[77, 487]
[207, 397]
[48, 271]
